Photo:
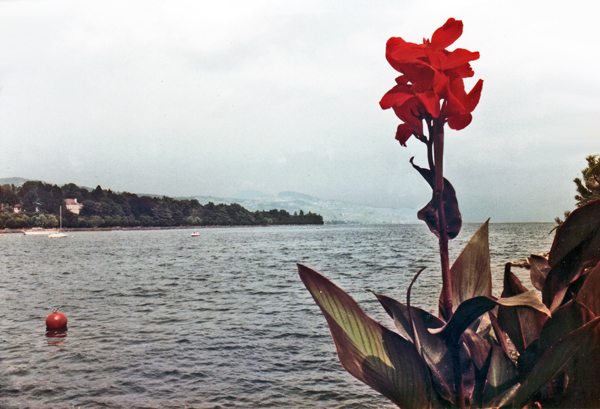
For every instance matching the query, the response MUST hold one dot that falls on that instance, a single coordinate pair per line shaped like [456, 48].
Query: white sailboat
[59, 234]
[37, 231]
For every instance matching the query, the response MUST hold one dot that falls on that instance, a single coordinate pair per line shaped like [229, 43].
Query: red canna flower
[431, 84]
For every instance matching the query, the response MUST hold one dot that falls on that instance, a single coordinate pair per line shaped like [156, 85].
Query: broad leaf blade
[478, 347]
[566, 319]
[480, 354]
[539, 270]
[581, 224]
[471, 272]
[473, 308]
[523, 325]
[502, 374]
[553, 361]
[429, 213]
[415, 323]
[400, 314]
[373, 354]
[589, 294]
[575, 247]
[583, 372]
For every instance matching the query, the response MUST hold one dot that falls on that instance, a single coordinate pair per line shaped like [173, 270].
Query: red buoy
[56, 321]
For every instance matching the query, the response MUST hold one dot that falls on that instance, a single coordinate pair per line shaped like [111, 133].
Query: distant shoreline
[96, 229]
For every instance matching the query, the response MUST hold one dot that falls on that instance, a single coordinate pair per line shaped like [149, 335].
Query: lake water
[160, 319]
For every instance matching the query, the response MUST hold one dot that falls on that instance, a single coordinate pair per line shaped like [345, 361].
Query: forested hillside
[39, 205]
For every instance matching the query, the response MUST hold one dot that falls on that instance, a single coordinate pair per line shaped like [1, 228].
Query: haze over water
[158, 319]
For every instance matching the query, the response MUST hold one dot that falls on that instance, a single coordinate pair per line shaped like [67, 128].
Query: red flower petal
[431, 102]
[410, 114]
[398, 95]
[402, 80]
[440, 82]
[403, 133]
[436, 59]
[453, 104]
[463, 71]
[459, 57]
[398, 51]
[431, 75]
[420, 75]
[458, 122]
[446, 34]
[473, 98]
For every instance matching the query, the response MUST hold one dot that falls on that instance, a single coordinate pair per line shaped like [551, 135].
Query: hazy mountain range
[332, 211]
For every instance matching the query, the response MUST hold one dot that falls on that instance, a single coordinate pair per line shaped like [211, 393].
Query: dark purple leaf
[499, 333]
[470, 310]
[480, 353]
[400, 314]
[580, 225]
[471, 273]
[415, 323]
[502, 374]
[576, 246]
[583, 373]
[566, 319]
[478, 347]
[539, 270]
[436, 345]
[553, 362]
[523, 325]
[589, 294]
[370, 352]
[429, 213]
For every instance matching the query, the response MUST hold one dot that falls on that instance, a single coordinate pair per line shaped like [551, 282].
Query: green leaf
[471, 272]
[576, 245]
[370, 352]
[523, 325]
[429, 213]
[552, 362]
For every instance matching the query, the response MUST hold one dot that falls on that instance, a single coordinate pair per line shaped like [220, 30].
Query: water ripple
[160, 320]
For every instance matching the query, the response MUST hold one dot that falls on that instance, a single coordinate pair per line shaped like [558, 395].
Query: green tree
[588, 186]
[8, 196]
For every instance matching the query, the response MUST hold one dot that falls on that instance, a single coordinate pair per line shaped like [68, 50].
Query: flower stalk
[437, 134]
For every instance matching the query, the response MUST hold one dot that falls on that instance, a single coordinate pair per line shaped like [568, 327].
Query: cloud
[198, 97]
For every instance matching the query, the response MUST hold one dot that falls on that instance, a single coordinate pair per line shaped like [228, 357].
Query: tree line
[588, 186]
[40, 205]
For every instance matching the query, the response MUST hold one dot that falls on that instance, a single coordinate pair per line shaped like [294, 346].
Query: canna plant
[481, 351]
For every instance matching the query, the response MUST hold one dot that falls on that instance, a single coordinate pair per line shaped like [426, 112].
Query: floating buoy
[56, 321]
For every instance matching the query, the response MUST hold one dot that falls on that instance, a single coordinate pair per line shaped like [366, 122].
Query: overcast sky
[187, 98]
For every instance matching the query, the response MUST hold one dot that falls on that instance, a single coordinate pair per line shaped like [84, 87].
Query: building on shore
[73, 206]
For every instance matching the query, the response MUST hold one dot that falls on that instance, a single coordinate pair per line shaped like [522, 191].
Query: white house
[73, 206]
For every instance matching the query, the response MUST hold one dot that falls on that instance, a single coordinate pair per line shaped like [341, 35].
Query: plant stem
[446, 299]
[438, 153]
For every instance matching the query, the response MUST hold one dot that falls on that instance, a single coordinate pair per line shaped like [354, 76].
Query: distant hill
[332, 211]
[13, 181]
